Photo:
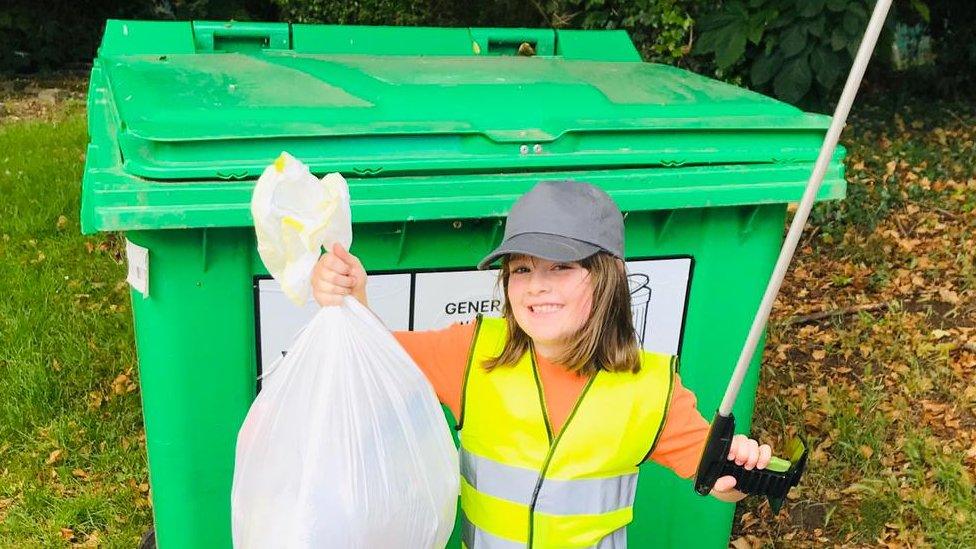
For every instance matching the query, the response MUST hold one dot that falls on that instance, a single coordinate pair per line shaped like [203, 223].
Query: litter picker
[780, 475]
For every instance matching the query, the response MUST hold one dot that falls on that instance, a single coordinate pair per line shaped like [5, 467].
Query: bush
[58, 33]
[35, 34]
[50, 34]
[953, 28]
[433, 13]
[797, 50]
[660, 28]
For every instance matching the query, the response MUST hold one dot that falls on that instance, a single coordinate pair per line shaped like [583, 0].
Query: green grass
[879, 467]
[65, 336]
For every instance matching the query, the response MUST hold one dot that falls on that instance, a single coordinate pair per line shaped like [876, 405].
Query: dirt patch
[42, 96]
[808, 515]
[940, 311]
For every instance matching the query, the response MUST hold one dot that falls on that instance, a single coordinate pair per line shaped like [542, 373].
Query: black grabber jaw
[774, 482]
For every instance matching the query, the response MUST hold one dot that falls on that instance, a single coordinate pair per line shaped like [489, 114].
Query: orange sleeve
[442, 356]
[680, 443]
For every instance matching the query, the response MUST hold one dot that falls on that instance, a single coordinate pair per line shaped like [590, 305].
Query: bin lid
[424, 123]
[227, 114]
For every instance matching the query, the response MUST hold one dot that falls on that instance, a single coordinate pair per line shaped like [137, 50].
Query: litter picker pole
[782, 474]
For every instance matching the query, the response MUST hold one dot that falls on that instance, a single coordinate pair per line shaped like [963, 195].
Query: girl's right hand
[338, 274]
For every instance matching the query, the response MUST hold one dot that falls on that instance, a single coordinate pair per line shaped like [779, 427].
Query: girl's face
[550, 300]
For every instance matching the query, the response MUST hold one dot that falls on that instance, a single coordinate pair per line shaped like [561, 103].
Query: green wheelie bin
[438, 131]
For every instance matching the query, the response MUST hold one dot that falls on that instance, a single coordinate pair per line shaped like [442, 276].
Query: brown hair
[606, 341]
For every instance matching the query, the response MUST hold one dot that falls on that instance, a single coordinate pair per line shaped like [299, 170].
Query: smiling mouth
[547, 308]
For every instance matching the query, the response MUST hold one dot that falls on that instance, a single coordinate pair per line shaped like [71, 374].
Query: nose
[539, 282]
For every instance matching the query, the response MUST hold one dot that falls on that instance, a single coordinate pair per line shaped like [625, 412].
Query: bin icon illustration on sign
[640, 300]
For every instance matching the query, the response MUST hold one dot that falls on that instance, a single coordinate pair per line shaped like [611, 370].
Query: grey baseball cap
[562, 221]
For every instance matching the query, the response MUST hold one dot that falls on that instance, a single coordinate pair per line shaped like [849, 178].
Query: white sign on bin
[279, 320]
[443, 298]
[432, 300]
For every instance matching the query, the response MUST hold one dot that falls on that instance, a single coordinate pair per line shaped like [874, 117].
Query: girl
[556, 403]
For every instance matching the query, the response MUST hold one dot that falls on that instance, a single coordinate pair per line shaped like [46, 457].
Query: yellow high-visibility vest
[522, 485]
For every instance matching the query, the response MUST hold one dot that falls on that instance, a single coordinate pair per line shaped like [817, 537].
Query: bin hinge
[240, 36]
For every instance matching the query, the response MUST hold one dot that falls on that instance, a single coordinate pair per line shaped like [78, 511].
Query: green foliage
[240, 10]
[797, 50]
[922, 9]
[49, 35]
[953, 29]
[36, 35]
[409, 12]
[660, 28]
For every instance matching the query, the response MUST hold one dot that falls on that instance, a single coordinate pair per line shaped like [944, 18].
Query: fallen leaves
[122, 384]
[949, 296]
[53, 457]
[143, 493]
[872, 351]
[971, 452]
[747, 542]
[81, 539]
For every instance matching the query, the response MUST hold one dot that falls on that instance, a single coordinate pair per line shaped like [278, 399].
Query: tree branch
[814, 317]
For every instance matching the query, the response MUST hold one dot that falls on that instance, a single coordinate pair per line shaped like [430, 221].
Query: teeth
[546, 308]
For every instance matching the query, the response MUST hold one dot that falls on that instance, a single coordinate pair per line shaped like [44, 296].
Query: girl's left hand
[748, 453]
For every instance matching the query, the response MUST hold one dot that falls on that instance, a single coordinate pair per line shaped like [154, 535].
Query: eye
[563, 266]
[521, 269]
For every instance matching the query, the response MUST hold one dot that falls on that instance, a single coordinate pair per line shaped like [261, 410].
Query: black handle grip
[714, 464]
[758, 482]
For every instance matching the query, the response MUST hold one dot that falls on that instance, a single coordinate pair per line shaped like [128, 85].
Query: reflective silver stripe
[591, 496]
[487, 476]
[476, 538]
[556, 497]
[614, 540]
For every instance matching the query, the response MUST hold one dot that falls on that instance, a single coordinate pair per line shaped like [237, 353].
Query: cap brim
[547, 246]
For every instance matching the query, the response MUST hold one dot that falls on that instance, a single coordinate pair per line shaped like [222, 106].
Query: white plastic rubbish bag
[345, 445]
[294, 215]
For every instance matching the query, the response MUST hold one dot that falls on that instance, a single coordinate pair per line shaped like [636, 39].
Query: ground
[21, 98]
[871, 353]
[872, 344]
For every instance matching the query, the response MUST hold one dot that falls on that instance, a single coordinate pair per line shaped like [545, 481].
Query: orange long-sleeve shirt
[443, 355]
